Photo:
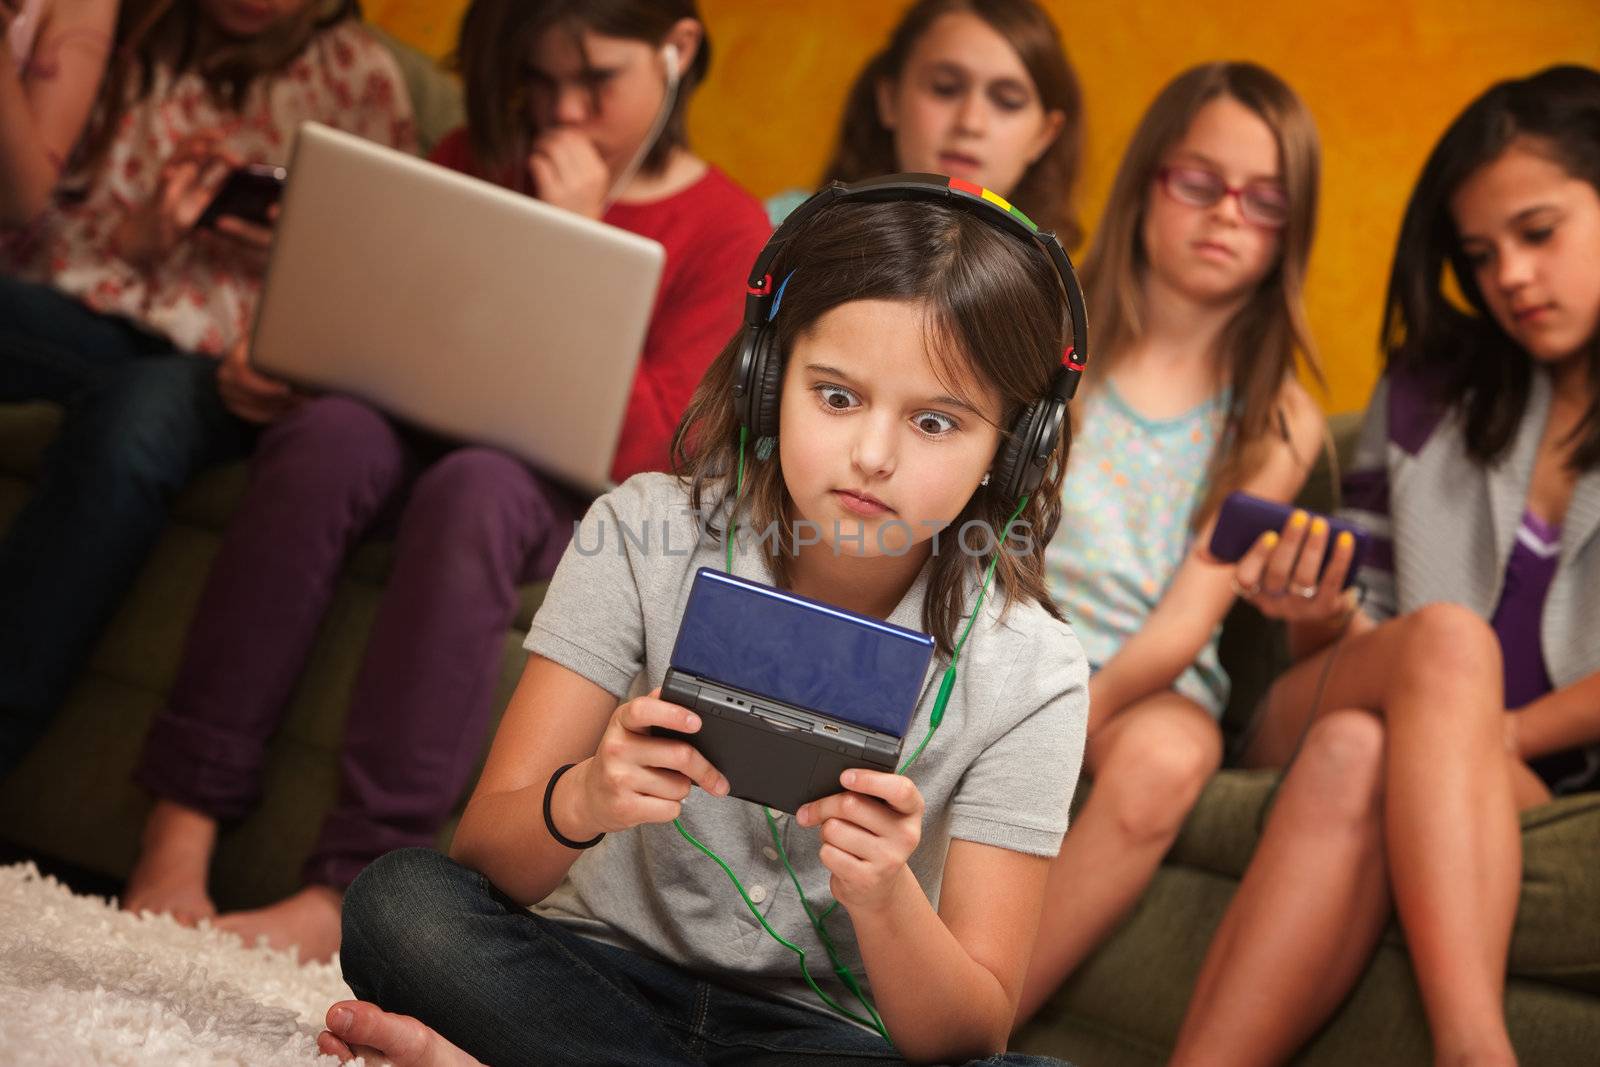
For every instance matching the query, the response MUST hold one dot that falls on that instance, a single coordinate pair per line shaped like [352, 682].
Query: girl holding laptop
[562, 99]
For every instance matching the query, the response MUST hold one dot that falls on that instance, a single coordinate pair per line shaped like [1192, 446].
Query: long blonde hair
[1259, 347]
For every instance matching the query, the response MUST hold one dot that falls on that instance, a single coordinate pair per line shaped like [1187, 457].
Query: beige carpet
[82, 984]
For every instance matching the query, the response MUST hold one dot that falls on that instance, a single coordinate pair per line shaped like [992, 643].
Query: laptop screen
[802, 652]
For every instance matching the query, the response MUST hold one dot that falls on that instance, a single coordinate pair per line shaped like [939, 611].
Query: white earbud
[669, 56]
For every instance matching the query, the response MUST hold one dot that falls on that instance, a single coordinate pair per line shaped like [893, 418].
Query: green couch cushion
[1125, 1003]
[1557, 938]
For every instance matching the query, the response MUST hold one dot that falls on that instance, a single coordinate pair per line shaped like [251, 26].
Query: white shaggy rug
[82, 984]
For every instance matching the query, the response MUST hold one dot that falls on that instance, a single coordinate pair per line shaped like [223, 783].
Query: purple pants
[472, 525]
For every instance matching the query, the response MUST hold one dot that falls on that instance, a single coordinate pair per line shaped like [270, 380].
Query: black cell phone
[1244, 518]
[247, 193]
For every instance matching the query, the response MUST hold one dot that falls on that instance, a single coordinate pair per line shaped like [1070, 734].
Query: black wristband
[549, 823]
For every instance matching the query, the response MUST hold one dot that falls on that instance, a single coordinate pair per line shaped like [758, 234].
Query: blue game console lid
[803, 652]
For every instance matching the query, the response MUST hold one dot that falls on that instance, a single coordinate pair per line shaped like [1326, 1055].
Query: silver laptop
[453, 304]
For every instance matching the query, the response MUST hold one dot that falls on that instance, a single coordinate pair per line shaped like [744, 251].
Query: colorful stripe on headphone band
[980, 193]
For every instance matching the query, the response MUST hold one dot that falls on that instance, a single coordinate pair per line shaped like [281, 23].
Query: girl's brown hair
[995, 314]
[1045, 193]
[1475, 366]
[497, 37]
[175, 34]
[866, 146]
[1258, 349]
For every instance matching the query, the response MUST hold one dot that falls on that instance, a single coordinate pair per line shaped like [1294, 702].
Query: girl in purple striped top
[1416, 715]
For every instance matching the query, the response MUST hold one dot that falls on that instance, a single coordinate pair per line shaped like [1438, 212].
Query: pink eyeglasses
[1263, 203]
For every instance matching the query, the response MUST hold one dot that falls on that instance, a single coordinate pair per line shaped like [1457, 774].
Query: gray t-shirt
[1000, 770]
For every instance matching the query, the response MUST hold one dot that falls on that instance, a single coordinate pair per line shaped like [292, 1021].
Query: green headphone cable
[946, 685]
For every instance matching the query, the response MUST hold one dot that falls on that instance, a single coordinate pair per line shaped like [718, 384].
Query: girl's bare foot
[357, 1028]
[307, 920]
[174, 860]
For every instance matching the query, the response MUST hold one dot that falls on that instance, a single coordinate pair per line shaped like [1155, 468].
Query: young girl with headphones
[981, 90]
[900, 378]
[579, 104]
[1465, 686]
[1194, 281]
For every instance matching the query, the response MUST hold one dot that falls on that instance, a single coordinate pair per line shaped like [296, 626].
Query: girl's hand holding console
[869, 831]
[634, 777]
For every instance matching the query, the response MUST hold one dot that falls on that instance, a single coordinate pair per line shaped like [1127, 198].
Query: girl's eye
[946, 88]
[836, 397]
[1476, 258]
[1538, 237]
[1268, 201]
[1008, 100]
[933, 423]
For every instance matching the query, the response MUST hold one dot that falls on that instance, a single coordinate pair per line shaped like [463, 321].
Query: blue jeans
[140, 419]
[426, 937]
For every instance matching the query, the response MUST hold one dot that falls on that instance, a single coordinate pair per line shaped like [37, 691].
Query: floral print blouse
[203, 296]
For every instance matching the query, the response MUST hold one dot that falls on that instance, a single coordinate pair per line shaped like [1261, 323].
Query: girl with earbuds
[582, 105]
[573, 923]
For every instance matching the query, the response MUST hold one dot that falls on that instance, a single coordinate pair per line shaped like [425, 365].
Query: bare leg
[174, 861]
[1149, 765]
[307, 920]
[1309, 911]
[1450, 818]
[357, 1028]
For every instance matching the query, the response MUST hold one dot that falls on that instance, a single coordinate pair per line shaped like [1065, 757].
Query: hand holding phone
[1292, 563]
[249, 193]
[149, 232]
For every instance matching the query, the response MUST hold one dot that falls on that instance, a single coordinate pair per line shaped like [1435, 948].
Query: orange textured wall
[1383, 78]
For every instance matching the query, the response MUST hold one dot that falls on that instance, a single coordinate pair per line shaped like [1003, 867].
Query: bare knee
[1340, 766]
[1448, 644]
[1153, 779]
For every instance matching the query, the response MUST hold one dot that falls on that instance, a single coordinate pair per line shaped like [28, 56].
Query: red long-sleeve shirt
[712, 232]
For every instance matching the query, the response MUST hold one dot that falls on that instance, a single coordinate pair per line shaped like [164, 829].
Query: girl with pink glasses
[1194, 284]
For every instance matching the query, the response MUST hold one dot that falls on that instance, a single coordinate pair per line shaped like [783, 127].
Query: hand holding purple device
[1244, 518]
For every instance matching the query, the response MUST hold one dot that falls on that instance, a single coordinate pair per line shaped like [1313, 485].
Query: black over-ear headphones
[1020, 464]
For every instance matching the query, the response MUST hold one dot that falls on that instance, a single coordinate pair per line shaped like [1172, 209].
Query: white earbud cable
[669, 55]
